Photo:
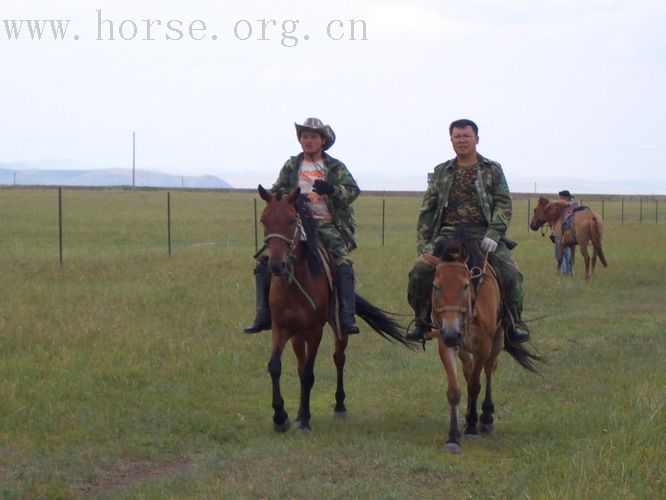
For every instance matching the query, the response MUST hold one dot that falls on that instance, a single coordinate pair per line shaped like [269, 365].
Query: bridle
[468, 311]
[291, 257]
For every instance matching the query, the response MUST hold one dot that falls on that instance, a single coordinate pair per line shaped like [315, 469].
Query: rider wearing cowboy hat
[331, 190]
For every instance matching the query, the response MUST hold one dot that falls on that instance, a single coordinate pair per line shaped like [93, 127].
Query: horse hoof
[283, 427]
[487, 428]
[303, 430]
[340, 415]
[453, 448]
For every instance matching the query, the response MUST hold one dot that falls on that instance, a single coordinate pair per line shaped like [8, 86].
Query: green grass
[124, 373]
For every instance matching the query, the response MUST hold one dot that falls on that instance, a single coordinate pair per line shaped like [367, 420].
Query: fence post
[640, 217]
[383, 219]
[622, 212]
[656, 210]
[169, 221]
[603, 212]
[60, 222]
[528, 214]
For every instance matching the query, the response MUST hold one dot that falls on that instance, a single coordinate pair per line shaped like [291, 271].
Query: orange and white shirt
[307, 175]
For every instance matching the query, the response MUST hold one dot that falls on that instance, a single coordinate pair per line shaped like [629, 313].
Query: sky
[567, 94]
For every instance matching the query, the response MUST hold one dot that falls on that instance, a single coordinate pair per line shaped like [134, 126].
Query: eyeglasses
[458, 137]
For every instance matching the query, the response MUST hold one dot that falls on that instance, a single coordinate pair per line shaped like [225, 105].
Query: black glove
[323, 187]
[552, 238]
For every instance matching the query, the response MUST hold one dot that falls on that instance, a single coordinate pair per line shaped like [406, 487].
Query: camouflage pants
[335, 243]
[419, 288]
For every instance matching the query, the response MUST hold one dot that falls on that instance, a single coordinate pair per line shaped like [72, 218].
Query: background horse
[466, 311]
[587, 227]
[301, 303]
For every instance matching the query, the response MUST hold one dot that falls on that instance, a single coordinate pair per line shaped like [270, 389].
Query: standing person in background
[566, 197]
[331, 190]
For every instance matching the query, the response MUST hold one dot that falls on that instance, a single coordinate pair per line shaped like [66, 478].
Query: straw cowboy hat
[316, 125]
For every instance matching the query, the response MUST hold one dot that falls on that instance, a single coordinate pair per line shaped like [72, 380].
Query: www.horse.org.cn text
[288, 33]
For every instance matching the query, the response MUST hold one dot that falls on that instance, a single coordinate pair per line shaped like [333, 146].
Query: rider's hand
[323, 187]
[488, 245]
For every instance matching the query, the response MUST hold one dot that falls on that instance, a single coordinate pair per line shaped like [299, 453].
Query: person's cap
[565, 194]
[316, 125]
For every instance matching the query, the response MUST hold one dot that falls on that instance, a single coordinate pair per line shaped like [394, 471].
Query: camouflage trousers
[333, 240]
[421, 276]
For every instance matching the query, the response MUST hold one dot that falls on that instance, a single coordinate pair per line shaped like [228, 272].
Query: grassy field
[124, 372]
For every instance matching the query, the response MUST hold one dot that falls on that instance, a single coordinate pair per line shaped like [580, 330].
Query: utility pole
[133, 158]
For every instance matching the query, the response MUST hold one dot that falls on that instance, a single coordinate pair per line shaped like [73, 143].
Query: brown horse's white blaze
[587, 227]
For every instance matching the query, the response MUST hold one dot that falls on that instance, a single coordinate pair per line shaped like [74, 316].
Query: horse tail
[381, 321]
[596, 239]
[525, 358]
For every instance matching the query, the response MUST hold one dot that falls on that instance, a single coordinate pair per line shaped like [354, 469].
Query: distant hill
[70, 173]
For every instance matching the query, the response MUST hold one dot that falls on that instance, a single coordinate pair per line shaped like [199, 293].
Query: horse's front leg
[448, 357]
[281, 421]
[306, 373]
[339, 360]
[488, 407]
[473, 390]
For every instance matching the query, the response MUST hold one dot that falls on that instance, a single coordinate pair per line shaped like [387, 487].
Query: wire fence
[100, 223]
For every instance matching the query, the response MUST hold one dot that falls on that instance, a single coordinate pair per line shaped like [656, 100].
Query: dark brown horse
[466, 308]
[587, 227]
[302, 302]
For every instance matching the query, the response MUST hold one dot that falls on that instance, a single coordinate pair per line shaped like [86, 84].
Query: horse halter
[464, 310]
[299, 235]
[468, 311]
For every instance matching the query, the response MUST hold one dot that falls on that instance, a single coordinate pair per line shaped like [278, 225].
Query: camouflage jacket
[493, 194]
[339, 202]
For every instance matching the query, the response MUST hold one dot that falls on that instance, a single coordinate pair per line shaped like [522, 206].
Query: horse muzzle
[451, 334]
[278, 268]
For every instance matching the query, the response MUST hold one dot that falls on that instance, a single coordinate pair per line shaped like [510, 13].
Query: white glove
[488, 245]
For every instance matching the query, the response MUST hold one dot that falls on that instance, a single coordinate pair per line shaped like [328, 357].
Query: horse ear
[265, 195]
[431, 259]
[293, 196]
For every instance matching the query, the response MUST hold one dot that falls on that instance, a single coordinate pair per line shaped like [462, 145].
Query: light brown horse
[587, 227]
[466, 309]
[301, 303]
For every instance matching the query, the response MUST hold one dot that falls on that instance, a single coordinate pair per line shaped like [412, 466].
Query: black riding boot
[262, 280]
[418, 332]
[347, 298]
[516, 329]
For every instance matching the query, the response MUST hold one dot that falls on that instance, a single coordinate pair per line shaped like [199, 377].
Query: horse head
[539, 216]
[452, 293]
[279, 219]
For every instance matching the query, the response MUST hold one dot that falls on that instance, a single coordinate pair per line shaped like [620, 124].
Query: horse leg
[307, 381]
[488, 407]
[473, 391]
[339, 360]
[448, 357]
[281, 421]
[586, 258]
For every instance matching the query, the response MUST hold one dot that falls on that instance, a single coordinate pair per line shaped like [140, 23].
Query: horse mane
[462, 247]
[310, 228]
